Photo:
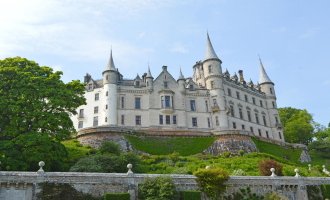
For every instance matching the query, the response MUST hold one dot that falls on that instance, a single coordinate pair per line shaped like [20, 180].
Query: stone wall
[24, 185]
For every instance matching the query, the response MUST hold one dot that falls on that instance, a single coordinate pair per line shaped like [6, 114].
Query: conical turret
[210, 53]
[181, 75]
[111, 65]
[263, 75]
[149, 73]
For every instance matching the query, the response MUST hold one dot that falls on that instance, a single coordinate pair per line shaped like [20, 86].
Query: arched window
[107, 93]
[210, 69]
[107, 77]
[106, 119]
[106, 106]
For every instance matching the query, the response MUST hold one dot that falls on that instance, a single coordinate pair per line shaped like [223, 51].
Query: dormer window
[165, 84]
[191, 87]
[90, 86]
[137, 83]
[210, 69]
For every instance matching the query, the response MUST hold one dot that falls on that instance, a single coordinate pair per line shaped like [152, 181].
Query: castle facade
[209, 101]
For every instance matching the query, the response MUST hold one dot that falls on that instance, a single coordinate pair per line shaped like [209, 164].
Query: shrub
[93, 151]
[226, 154]
[87, 164]
[110, 147]
[276, 196]
[159, 187]
[238, 172]
[266, 164]
[128, 158]
[191, 195]
[145, 156]
[174, 156]
[325, 191]
[148, 161]
[211, 181]
[313, 192]
[116, 196]
[178, 164]
[182, 170]
[241, 152]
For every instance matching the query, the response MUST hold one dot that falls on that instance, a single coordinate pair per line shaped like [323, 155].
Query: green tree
[34, 114]
[157, 188]
[110, 147]
[298, 125]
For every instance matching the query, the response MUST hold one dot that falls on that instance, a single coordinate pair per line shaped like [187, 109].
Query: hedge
[116, 196]
[325, 190]
[191, 195]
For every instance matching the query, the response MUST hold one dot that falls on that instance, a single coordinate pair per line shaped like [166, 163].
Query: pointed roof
[181, 75]
[149, 73]
[137, 77]
[263, 75]
[111, 65]
[210, 53]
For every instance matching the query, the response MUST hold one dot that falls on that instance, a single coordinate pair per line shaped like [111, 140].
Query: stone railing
[25, 185]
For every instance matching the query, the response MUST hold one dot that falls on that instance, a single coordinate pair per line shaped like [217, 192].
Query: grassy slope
[163, 145]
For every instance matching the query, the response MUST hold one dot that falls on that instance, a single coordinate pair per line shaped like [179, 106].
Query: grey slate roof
[111, 65]
[149, 73]
[181, 75]
[263, 75]
[210, 53]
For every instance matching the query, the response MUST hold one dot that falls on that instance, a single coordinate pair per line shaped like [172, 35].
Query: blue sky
[292, 38]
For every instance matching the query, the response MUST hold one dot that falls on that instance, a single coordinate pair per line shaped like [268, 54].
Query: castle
[209, 101]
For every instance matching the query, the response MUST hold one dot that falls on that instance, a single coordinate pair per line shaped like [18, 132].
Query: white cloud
[57, 68]
[279, 30]
[179, 47]
[327, 82]
[308, 34]
[141, 35]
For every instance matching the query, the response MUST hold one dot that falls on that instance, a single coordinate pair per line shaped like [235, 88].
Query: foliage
[178, 164]
[174, 156]
[243, 194]
[226, 154]
[320, 146]
[110, 147]
[325, 191]
[116, 196]
[241, 152]
[191, 195]
[157, 188]
[34, 108]
[211, 181]
[313, 192]
[266, 164]
[52, 191]
[298, 125]
[238, 172]
[276, 196]
[182, 170]
[164, 145]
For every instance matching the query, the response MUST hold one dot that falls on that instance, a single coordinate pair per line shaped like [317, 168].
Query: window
[96, 121]
[249, 115]
[267, 134]
[90, 86]
[279, 134]
[261, 104]
[214, 102]
[96, 109]
[191, 87]
[207, 106]
[246, 98]
[106, 119]
[106, 106]
[254, 100]
[162, 101]
[251, 129]
[123, 119]
[192, 105]
[208, 122]
[107, 77]
[232, 111]
[240, 113]
[234, 125]
[259, 131]
[243, 127]
[107, 94]
[229, 92]
[217, 120]
[168, 119]
[165, 84]
[194, 121]
[160, 119]
[137, 83]
[167, 101]
[237, 95]
[210, 69]
[172, 103]
[273, 104]
[147, 83]
[264, 119]
[212, 84]
[81, 113]
[138, 120]
[137, 103]
[271, 90]
[257, 118]
[276, 119]
[174, 119]
[97, 96]
[80, 124]
[122, 102]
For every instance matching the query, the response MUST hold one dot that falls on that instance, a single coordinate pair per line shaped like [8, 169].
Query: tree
[110, 147]
[34, 114]
[298, 125]
[157, 188]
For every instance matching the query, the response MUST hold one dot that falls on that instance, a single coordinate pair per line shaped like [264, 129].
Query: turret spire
[263, 75]
[210, 53]
[111, 65]
[149, 73]
[181, 75]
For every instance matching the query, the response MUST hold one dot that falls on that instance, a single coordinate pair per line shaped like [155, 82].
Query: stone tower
[110, 75]
[267, 86]
[149, 80]
[213, 81]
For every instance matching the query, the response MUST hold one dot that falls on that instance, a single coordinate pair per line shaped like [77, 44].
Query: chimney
[164, 68]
